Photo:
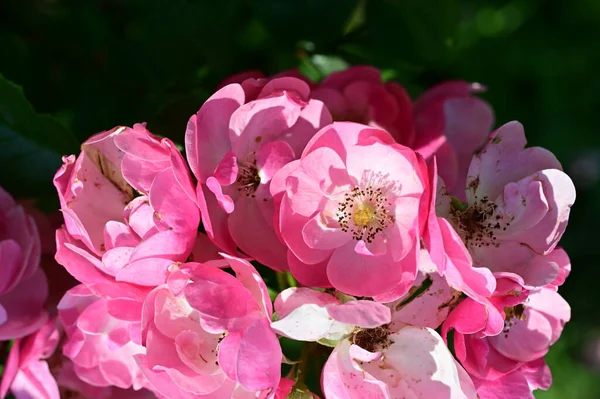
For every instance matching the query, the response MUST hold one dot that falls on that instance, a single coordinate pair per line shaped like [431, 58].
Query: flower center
[372, 339]
[248, 179]
[479, 223]
[513, 315]
[364, 213]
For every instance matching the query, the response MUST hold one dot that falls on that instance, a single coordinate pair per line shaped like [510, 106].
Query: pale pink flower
[351, 211]
[532, 322]
[129, 199]
[380, 364]
[518, 203]
[23, 285]
[235, 146]
[99, 344]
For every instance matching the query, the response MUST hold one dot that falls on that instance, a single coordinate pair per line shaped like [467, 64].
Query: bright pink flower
[36, 370]
[380, 364]
[98, 344]
[351, 210]
[27, 373]
[530, 326]
[129, 199]
[23, 285]
[234, 148]
[240, 307]
[181, 357]
[207, 334]
[518, 203]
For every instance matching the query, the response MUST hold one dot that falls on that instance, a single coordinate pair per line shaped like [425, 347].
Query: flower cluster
[417, 249]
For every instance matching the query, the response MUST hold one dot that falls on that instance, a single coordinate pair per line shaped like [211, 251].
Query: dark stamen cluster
[479, 223]
[372, 339]
[513, 315]
[248, 179]
[364, 213]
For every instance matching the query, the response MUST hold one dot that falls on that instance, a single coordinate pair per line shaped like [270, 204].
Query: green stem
[302, 369]
[281, 281]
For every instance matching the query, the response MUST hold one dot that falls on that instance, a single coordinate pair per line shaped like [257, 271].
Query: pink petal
[362, 275]
[254, 234]
[262, 121]
[207, 132]
[366, 314]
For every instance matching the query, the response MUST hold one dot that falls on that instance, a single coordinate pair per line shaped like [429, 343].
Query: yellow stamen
[364, 216]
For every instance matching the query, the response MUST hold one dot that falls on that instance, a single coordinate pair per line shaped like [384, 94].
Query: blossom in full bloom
[517, 209]
[23, 285]
[235, 146]
[129, 199]
[207, 334]
[351, 210]
[98, 344]
[509, 348]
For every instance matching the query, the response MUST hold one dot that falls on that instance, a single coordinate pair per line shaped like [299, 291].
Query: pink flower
[207, 334]
[446, 120]
[23, 285]
[531, 324]
[240, 307]
[36, 369]
[235, 146]
[350, 211]
[98, 344]
[27, 373]
[518, 203]
[181, 357]
[411, 362]
[129, 199]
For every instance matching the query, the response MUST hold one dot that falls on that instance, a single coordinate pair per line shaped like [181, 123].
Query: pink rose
[235, 145]
[379, 363]
[351, 210]
[532, 322]
[23, 285]
[518, 203]
[27, 373]
[239, 306]
[128, 198]
[98, 344]
[130, 214]
[207, 334]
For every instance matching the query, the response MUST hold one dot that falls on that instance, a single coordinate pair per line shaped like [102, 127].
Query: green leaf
[31, 145]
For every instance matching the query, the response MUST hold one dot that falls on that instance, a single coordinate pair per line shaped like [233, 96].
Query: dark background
[96, 64]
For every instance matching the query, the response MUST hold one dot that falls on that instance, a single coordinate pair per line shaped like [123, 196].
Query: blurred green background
[96, 64]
